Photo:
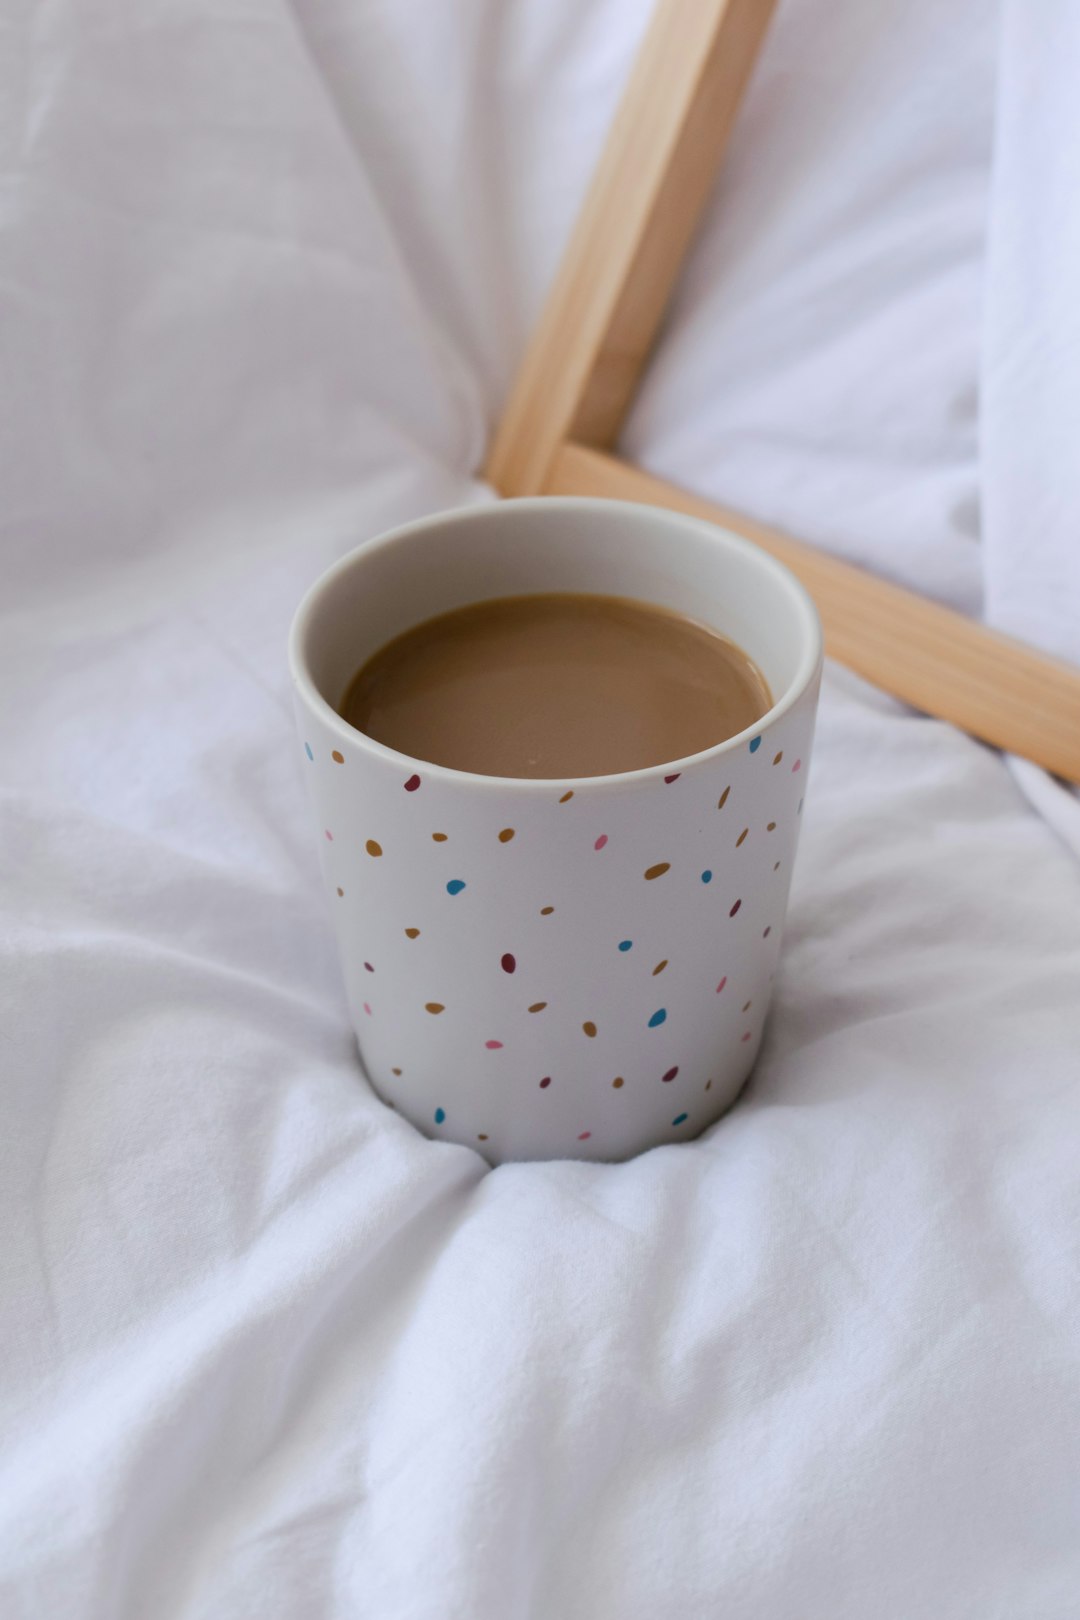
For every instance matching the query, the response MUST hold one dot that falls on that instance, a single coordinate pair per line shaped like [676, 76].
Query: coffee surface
[556, 686]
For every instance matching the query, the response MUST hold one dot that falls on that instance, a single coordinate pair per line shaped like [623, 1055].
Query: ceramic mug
[558, 968]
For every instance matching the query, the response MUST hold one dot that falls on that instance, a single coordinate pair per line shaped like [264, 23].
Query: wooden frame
[594, 337]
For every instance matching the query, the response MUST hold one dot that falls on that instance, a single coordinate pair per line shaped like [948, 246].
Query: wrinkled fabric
[266, 271]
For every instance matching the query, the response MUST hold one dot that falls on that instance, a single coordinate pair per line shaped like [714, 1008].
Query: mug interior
[553, 543]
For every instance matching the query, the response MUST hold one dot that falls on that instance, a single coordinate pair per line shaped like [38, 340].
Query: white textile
[265, 272]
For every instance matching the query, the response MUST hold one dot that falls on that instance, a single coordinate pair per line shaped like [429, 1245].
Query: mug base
[594, 1147]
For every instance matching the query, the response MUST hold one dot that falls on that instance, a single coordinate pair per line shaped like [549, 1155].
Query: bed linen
[265, 272]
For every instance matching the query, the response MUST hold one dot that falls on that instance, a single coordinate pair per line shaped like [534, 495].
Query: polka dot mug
[569, 968]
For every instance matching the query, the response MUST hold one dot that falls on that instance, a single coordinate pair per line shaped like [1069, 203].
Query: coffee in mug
[556, 685]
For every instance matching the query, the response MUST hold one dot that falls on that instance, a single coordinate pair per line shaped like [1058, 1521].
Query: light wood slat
[650, 187]
[998, 689]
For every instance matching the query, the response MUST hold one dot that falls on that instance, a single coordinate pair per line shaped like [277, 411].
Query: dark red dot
[412, 784]
[734, 908]
[674, 778]
[672, 1073]
[508, 963]
[369, 967]
[767, 932]
[546, 1081]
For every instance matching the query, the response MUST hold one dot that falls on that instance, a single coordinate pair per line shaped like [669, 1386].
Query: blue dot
[706, 876]
[755, 745]
[625, 944]
[680, 1119]
[440, 1115]
[307, 751]
[455, 886]
[658, 1017]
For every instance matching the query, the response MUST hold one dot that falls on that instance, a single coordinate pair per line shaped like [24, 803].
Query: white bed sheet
[265, 273]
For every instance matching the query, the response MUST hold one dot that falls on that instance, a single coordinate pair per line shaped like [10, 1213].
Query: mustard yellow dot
[771, 827]
[590, 1028]
[434, 1007]
[545, 911]
[372, 847]
[567, 797]
[440, 838]
[657, 871]
[617, 1082]
[747, 1006]
[660, 966]
[779, 757]
[481, 1136]
[722, 800]
[538, 1006]
[395, 1071]
[742, 837]
[506, 835]
[337, 757]
[412, 933]
[341, 893]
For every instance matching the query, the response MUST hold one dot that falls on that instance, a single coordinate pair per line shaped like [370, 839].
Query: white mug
[558, 968]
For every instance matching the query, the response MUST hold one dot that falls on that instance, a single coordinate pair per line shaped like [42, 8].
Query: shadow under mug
[558, 968]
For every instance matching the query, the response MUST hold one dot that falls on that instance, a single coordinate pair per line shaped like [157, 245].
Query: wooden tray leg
[652, 182]
[988, 684]
[593, 339]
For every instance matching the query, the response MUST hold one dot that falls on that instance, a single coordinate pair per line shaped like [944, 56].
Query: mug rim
[809, 662]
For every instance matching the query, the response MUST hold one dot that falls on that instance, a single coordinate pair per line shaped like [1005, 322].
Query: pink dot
[797, 766]
[747, 1036]
[493, 1046]
[367, 1009]
[329, 835]
[601, 841]
[584, 1137]
[721, 985]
